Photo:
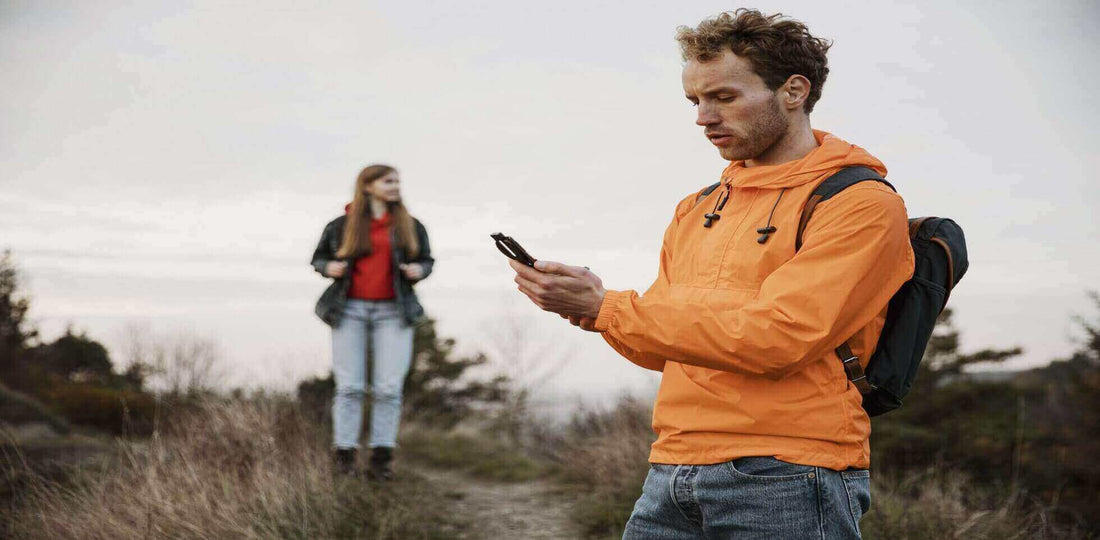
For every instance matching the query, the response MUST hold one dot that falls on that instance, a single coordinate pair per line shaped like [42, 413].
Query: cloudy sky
[172, 164]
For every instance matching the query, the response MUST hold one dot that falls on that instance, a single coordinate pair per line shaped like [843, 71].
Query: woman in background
[374, 254]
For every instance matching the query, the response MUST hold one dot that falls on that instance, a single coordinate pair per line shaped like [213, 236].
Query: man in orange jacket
[759, 432]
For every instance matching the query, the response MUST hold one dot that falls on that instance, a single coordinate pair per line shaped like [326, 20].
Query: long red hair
[356, 230]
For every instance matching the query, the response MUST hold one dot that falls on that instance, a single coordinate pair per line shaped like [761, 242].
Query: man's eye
[725, 99]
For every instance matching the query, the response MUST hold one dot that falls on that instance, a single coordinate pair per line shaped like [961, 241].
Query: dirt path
[504, 511]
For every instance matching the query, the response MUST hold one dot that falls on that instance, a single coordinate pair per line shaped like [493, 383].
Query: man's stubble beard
[765, 130]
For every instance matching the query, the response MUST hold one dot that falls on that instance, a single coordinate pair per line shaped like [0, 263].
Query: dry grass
[224, 469]
[603, 455]
[260, 469]
[938, 505]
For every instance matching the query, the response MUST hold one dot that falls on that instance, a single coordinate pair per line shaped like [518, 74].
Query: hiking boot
[381, 463]
[343, 461]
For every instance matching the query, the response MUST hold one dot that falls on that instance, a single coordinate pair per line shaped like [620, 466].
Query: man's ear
[794, 92]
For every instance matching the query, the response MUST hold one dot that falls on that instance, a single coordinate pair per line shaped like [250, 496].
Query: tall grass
[603, 456]
[223, 469]
[259, 468]
[938, 504]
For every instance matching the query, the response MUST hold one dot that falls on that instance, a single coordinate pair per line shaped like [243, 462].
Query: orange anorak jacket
[744, 332]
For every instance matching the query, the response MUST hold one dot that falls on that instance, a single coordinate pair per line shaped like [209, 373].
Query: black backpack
[940, 258]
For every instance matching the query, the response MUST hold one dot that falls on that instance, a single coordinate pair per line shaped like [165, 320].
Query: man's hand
[584, 323]
[573, 292]
[335, 269]
[413, 271]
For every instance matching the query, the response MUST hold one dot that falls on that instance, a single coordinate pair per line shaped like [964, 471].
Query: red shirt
[372, 277]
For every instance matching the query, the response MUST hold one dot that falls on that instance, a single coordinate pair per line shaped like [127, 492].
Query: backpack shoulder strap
[706, 191]
[843, 179]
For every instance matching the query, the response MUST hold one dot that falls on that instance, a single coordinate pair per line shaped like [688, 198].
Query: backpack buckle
[862, 384]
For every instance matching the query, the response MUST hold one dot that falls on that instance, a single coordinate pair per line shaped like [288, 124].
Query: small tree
[77, 358]
[16, 334]
[530, 360]
[178, 364]
[949, 418]
[1089, 349]
[438, 389]
[943, 360]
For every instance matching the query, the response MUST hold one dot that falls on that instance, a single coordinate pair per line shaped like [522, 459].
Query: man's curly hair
[778, 47]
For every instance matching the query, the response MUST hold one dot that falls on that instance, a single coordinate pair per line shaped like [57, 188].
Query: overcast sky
[173, 165]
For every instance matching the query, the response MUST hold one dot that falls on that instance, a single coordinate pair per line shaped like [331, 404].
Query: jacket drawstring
[719, 204]
[769, 229]
[765, 231]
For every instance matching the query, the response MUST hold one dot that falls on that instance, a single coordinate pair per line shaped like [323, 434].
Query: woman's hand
[336, 269]
[413, 271]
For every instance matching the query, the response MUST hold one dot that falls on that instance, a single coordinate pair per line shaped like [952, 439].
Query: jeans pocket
[857, 484]
[768, 469]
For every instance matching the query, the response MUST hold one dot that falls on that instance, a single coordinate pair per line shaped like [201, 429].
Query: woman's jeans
[748, 499]
[379, 325]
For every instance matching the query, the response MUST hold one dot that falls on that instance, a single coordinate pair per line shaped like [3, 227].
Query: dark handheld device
[511, 249]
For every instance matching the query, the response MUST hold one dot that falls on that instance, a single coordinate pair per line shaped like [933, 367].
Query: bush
[115, 411]
[937, 504]
[18, 408]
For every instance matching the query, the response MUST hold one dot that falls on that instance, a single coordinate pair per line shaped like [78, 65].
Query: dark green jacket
[330, 306]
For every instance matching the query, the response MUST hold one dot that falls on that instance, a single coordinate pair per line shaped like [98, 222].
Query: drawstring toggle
[767, 230]
[718, 206]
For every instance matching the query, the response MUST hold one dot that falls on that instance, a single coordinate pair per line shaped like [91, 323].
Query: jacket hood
[832, 154]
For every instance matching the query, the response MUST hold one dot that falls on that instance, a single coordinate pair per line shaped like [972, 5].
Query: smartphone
[511, 249]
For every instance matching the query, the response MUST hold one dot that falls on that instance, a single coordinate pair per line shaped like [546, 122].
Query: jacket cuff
[612, 304]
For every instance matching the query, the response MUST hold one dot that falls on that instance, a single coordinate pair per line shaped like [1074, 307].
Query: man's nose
[707, 116]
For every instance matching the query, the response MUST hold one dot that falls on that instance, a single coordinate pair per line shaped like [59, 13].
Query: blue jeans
[379, 325]
[749, 498]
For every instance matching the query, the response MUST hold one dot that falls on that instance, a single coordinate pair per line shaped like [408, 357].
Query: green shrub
[112, 410]
[18, 408]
